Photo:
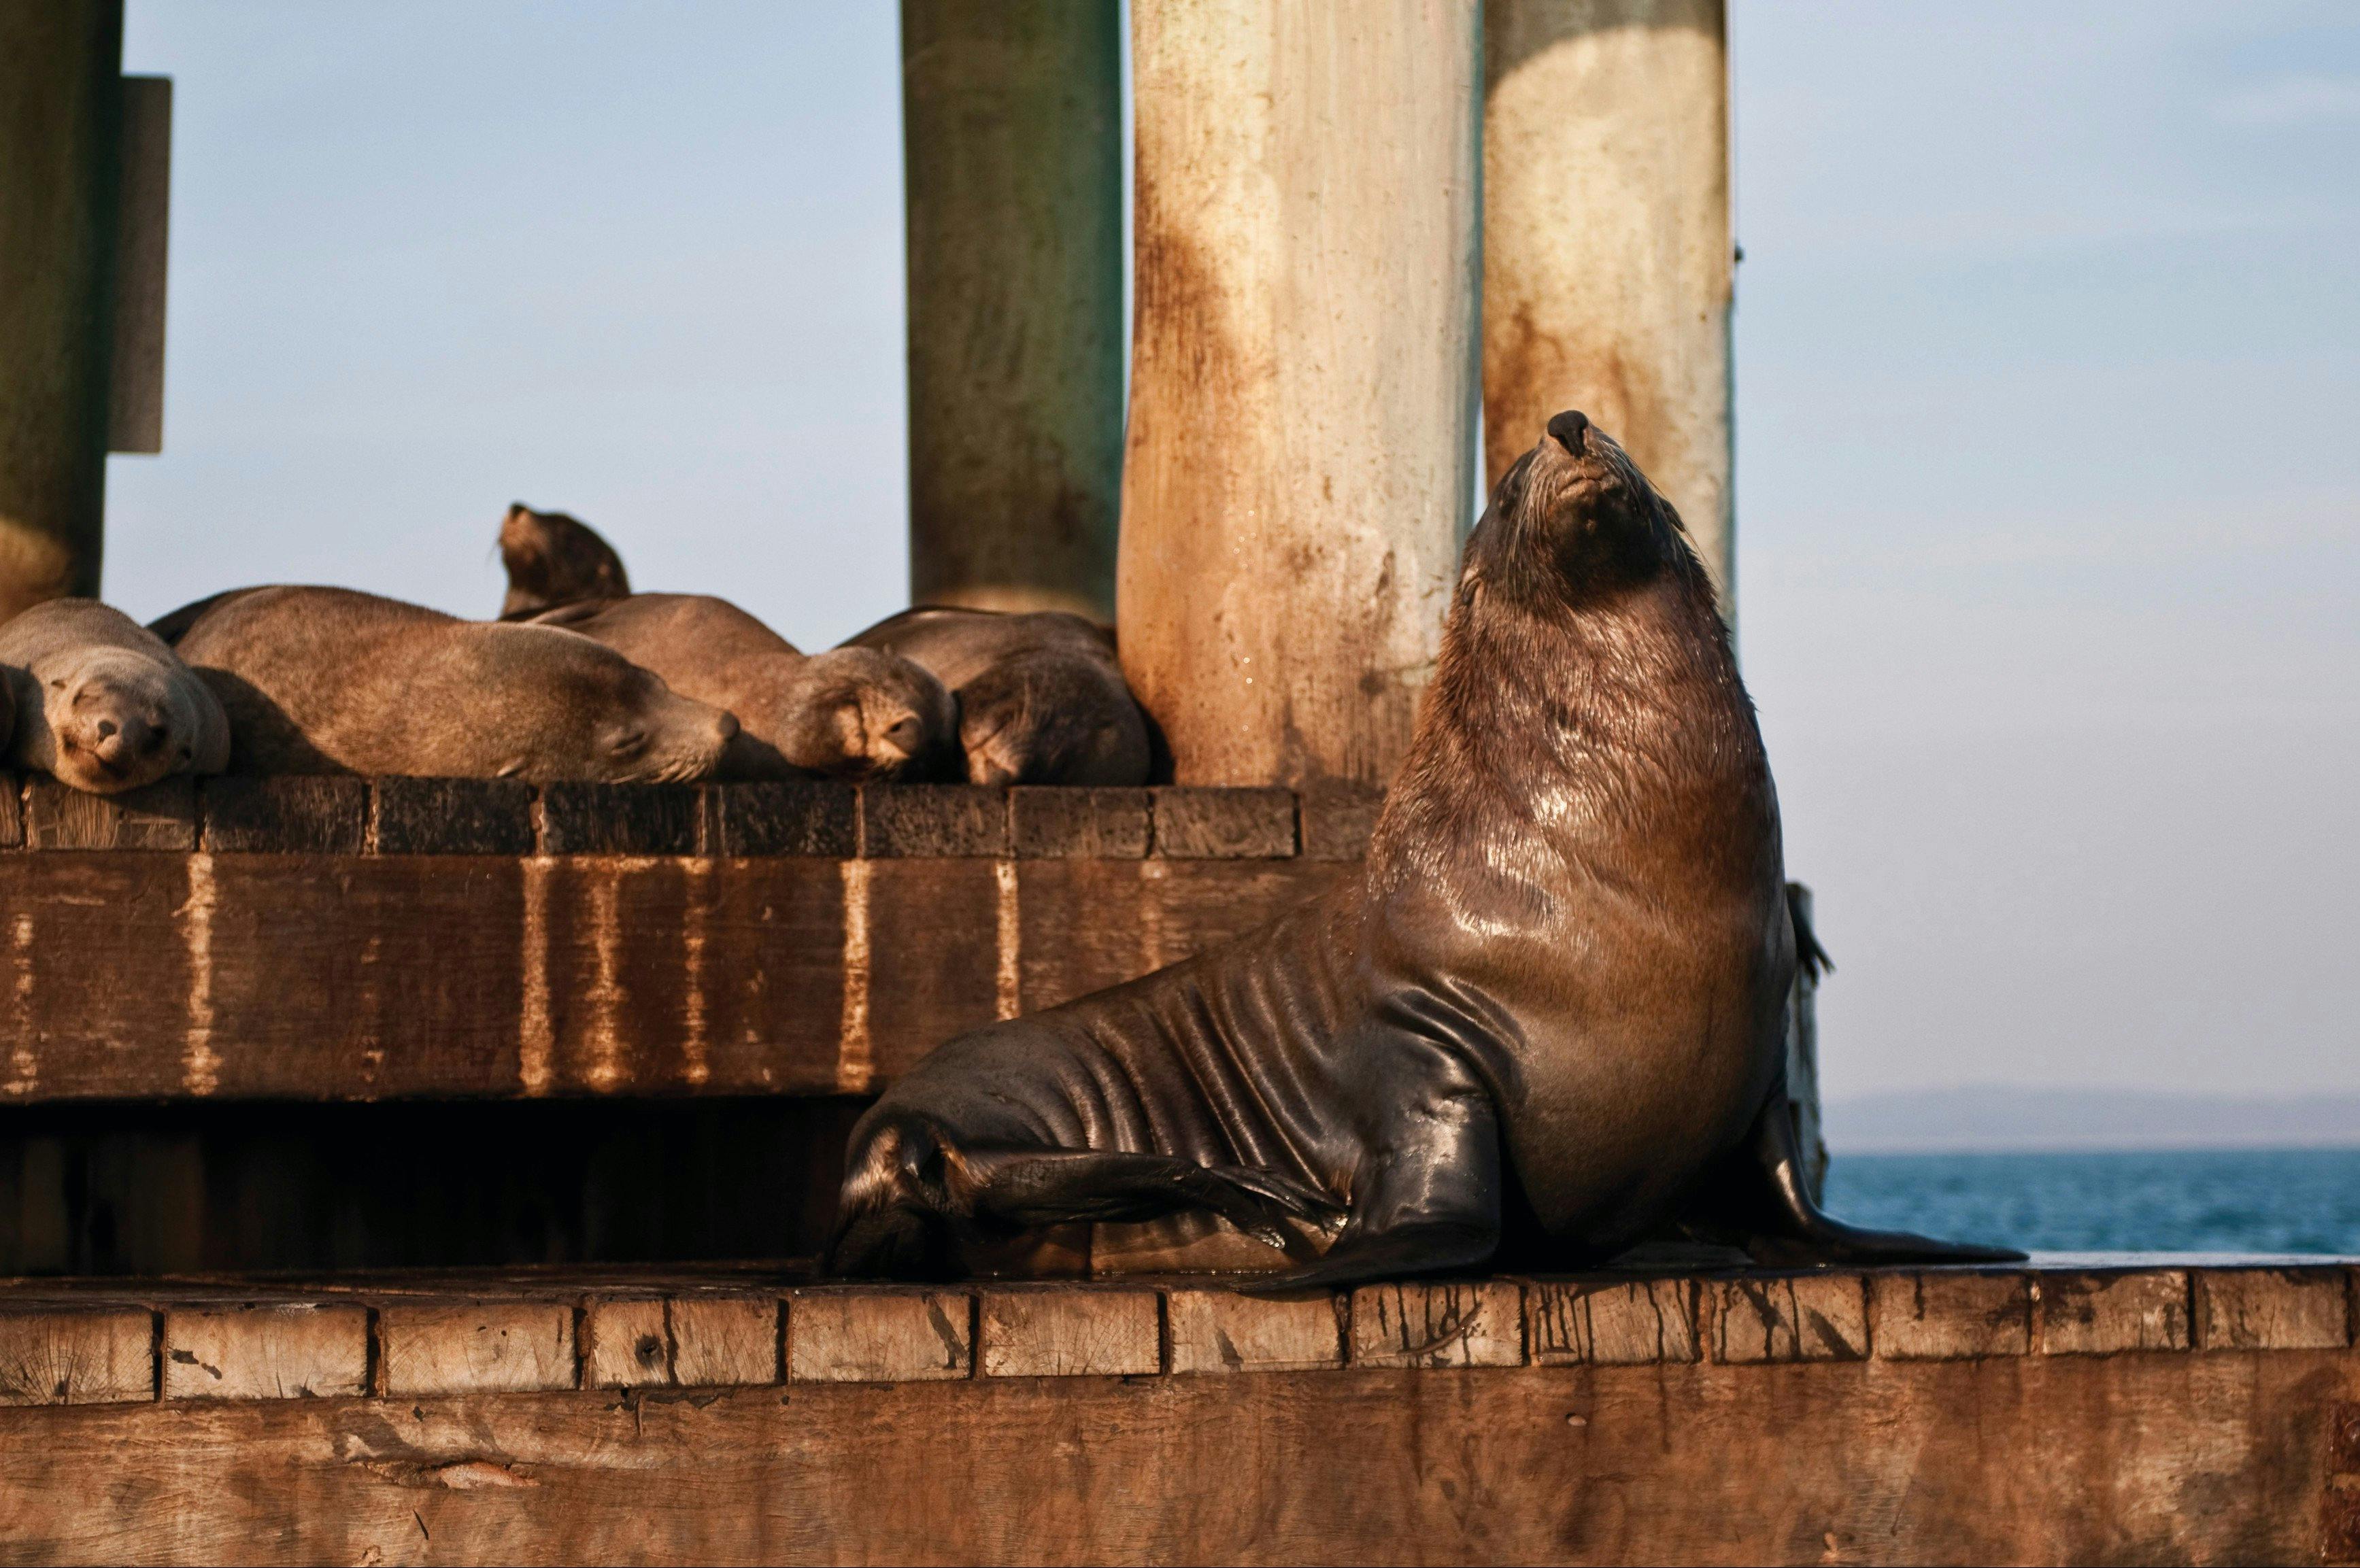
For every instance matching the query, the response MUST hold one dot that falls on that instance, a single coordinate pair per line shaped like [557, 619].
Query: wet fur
[1557, 994]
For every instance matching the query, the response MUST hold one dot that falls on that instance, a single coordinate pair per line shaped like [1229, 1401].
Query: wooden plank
[1223, 824]
[933, 820]
[1069, 1332]
[1894, 1461]
[2271, 1309]
[1611, 1323]
[787, 818]
[856, 1336]
[762, 967]
[1337, 818]
[1221, 1332]
[480, 1347]
[12, 810]
[723, 1340]
[1077, 823]
[2103, 1313]
[452, 816]
[620, 819]
[626, 1344]
[89, 1357]
[934, 956]
[265, 1352]
[1949, 1316]
[162, 815]
[300, 814]
[1809, 1317]
[1451, 1323]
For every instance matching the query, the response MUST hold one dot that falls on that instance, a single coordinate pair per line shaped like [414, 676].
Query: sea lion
[100, 704]
[851, 713]
[553, 559]
[1041, 695]
[1553, 1001]
[333, 681]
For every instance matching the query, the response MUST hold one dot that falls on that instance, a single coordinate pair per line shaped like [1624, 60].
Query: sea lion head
[119, 719]
[1044, 717]
[858, 712]
[553, 559]
[557, 705]
[1574, 516]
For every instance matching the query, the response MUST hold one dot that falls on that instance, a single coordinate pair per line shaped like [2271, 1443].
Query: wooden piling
[1607, 251]
[1011, 118]
[60, 128]
[1299, 471]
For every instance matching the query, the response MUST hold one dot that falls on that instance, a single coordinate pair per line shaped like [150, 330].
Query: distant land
[1998, 1116]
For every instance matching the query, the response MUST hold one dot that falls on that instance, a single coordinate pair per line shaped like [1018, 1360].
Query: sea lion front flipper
[1428, 1202]
[1765, 1205]
[1033, 1189]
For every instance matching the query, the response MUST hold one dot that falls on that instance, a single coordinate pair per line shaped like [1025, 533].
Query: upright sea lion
[332, 681]
[1041, 698]
[1554, 997]
[553, 559]
[102, 703]
[852, 712]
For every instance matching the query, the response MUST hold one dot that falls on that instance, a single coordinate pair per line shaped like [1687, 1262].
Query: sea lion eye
[631, 745]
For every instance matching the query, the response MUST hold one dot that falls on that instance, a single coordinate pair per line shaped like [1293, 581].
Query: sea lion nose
[1568, 428]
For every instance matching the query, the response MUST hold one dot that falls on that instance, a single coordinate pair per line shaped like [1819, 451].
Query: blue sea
[2278, 1201]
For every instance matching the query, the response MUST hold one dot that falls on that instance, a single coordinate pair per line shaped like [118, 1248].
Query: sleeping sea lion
[1041, 695]
[553, 559]
[102, 703]
[332, 681]
[852, 712]
[1553, 997]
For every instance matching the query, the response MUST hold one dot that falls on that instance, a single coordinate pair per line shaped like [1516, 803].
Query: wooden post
[61, 86]
[1607, 254]
[1300, 466]
[1011, 118]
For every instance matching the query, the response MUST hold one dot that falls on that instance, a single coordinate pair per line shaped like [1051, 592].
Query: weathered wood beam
[61, 130]
[350, 938]
[1607, 251]
[1302, 399]
[2162, 1413]
[1012, 146]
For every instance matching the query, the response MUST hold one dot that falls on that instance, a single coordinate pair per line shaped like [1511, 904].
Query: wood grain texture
[1223, 824]
[162, 815]
[1949, 1316]
[300, 814]
[1449, 1323]
[626, 1343]
[2271, 1309]
[621, 819]
[1060, 823]
[134, 421]
[63, 1358]
[2105, 1314]
[933, 819]
[452, 816]
[266, 1352]
[1611, 1323]
[1301, 434]
[719, 1341]
[854, 1335]
[1068, 1333]
[1221, 1332]
[12, 810]
[2138, 1459]
[475, 1347]
[1805, 1317]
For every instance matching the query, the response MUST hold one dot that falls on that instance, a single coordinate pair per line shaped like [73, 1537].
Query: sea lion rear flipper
[1764, 1204]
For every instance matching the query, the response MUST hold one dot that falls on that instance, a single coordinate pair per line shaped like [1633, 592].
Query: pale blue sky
[2049, 495]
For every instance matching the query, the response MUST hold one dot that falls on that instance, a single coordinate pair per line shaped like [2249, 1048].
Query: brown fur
[331, 681]
[553, 559]
[102, 703]
[849, 714]
[1041, 698]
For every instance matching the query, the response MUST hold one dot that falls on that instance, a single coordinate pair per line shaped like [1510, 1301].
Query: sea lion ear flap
[209, 751]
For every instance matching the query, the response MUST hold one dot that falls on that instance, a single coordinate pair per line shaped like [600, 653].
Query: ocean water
[2282, 1201]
